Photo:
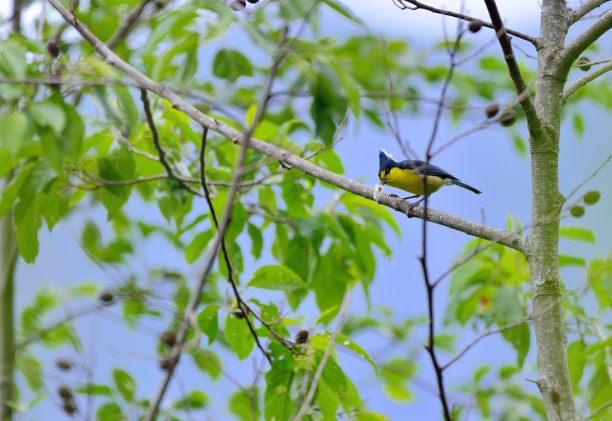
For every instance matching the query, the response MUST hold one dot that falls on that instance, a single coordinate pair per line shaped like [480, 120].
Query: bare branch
[572, 51]
[513, 68]
[286, 157]
[418, 5]
[584, 9]
[586, 79]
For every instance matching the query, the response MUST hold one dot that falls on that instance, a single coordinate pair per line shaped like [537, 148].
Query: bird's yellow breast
[409, 181]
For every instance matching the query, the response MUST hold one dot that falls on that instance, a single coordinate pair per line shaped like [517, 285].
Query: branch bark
[584, 9]
[573, 50]
[468, 227]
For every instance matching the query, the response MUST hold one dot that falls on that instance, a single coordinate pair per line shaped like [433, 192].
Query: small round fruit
[64, 392]
[237, 5]
[106, 297]
[301, 337]
[63, 364]
[474, 26]
[164, 363]
[507, 117]
[592, 197]
[492, 110]
[584, 63]
[53, 48]
[69, 406]
[169, 338]
[577, 211]
[239, 314]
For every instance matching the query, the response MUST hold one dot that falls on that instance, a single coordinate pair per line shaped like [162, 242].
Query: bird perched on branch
[416, 177]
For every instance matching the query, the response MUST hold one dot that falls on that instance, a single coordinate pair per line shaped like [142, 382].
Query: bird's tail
[465, 186]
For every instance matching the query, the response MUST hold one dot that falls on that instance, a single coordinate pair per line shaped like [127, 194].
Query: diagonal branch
[418, 5]
[468, 227]
[513, 68]
[572, 51]
[586, 79]
[584, 9]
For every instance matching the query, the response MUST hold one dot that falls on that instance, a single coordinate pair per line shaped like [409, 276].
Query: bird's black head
[386, 161]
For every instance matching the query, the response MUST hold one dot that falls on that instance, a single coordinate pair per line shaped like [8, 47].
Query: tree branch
[418, 5]
[585, 8]
[513, 68]
[471, 228]
[572, 51]
[586, 79]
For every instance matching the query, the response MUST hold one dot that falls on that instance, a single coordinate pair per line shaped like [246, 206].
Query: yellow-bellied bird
[412, 175]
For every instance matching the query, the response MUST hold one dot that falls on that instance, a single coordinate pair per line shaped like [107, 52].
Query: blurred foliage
[61, 157]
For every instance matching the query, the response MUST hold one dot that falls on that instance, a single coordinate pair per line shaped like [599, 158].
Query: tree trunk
[554, 382]
[8, 257]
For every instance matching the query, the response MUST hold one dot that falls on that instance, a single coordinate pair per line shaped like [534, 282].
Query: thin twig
[586, 79]
[418, 5]
[585, 8]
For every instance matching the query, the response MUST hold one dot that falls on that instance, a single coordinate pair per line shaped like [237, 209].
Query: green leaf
[346, 342]
[31, 368]
[256, 240]
[519, 337]
[110, 411]
[277, 398]
[343, 11]
[195, 400]
[197, 245]
[15, 127]
[231, 64]
[565, 260]
[577, 234]
[94, 389]
[208, 362]
[244, 404]
[125, 384]
[208, 322]
[576, 360]
[28, 222]
[48, 114]
[275, 277]
[328, 401]
[239, 336]
[578, 123]
[600, 279]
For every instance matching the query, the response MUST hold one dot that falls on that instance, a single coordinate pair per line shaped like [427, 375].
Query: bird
[412, 175]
